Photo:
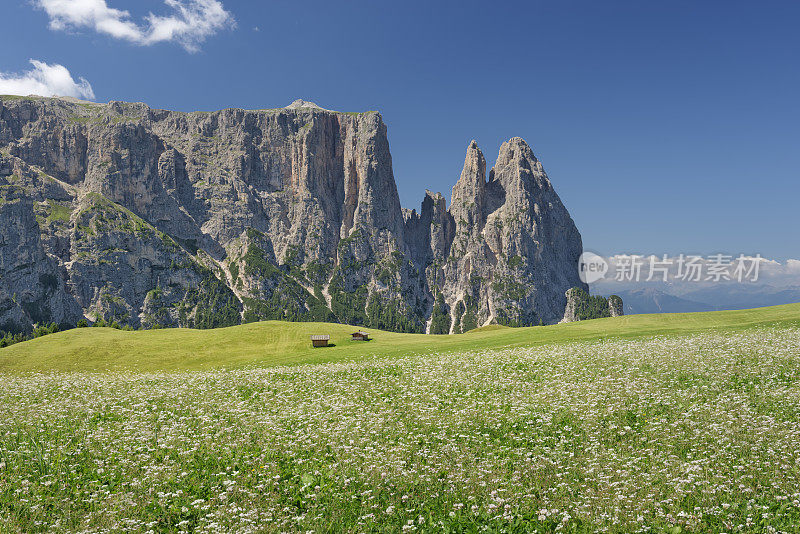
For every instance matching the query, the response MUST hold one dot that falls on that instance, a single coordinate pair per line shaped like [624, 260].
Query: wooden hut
[320, 340]
[360, 336]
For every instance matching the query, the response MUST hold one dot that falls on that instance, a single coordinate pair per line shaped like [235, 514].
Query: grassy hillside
[279, 343]
[566, 431]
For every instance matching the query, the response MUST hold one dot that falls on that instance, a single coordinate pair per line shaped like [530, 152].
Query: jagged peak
[473, 173]
[432, 199]
[473, 148]
[516, 161]
[434, 195]
[516, 145]
[469, 191]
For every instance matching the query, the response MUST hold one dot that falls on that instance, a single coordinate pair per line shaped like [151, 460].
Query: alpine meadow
[420, 267]
[584, 427]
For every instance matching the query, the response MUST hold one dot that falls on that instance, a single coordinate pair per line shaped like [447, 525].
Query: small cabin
[360, 336]
[320, 340]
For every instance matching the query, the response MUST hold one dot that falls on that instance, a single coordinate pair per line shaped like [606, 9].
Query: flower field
[679, 433]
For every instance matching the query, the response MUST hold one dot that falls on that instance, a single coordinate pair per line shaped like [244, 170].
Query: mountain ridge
[120, 212]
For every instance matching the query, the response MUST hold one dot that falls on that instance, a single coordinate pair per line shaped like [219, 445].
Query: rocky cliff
[149, 217]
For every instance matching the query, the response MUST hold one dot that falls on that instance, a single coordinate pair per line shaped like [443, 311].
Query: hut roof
[320, 337]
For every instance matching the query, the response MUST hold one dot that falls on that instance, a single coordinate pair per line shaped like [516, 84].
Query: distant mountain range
[655, 301]
[708, 298]
[742, 296]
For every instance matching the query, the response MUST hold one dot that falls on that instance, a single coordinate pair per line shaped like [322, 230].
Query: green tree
[440, 318]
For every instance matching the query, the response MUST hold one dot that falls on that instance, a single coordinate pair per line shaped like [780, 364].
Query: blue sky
[666, 127]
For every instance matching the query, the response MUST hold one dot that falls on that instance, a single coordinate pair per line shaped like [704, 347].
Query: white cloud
[189, 24]
[45, 80]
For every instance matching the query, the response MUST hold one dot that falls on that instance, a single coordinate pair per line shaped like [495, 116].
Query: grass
[10, 98]
[58, 211]
[696, 430]
[272, 343]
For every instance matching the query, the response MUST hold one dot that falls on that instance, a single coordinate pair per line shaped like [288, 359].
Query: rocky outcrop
[150, 217]
[515, 245]
[615, 308]
[575, 298]
[581, 306]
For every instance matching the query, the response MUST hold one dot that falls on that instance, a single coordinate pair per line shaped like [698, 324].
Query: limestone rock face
[150, 217]
[615, 308]
[574, 300]
[32, 286]
[515, 247]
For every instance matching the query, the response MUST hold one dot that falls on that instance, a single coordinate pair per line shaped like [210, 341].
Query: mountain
[730, 296]
[147, 217]
[680, 298]
[654, 301]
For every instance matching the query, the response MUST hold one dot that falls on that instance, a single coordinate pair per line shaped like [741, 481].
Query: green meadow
[270, 343]
[652, 424]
